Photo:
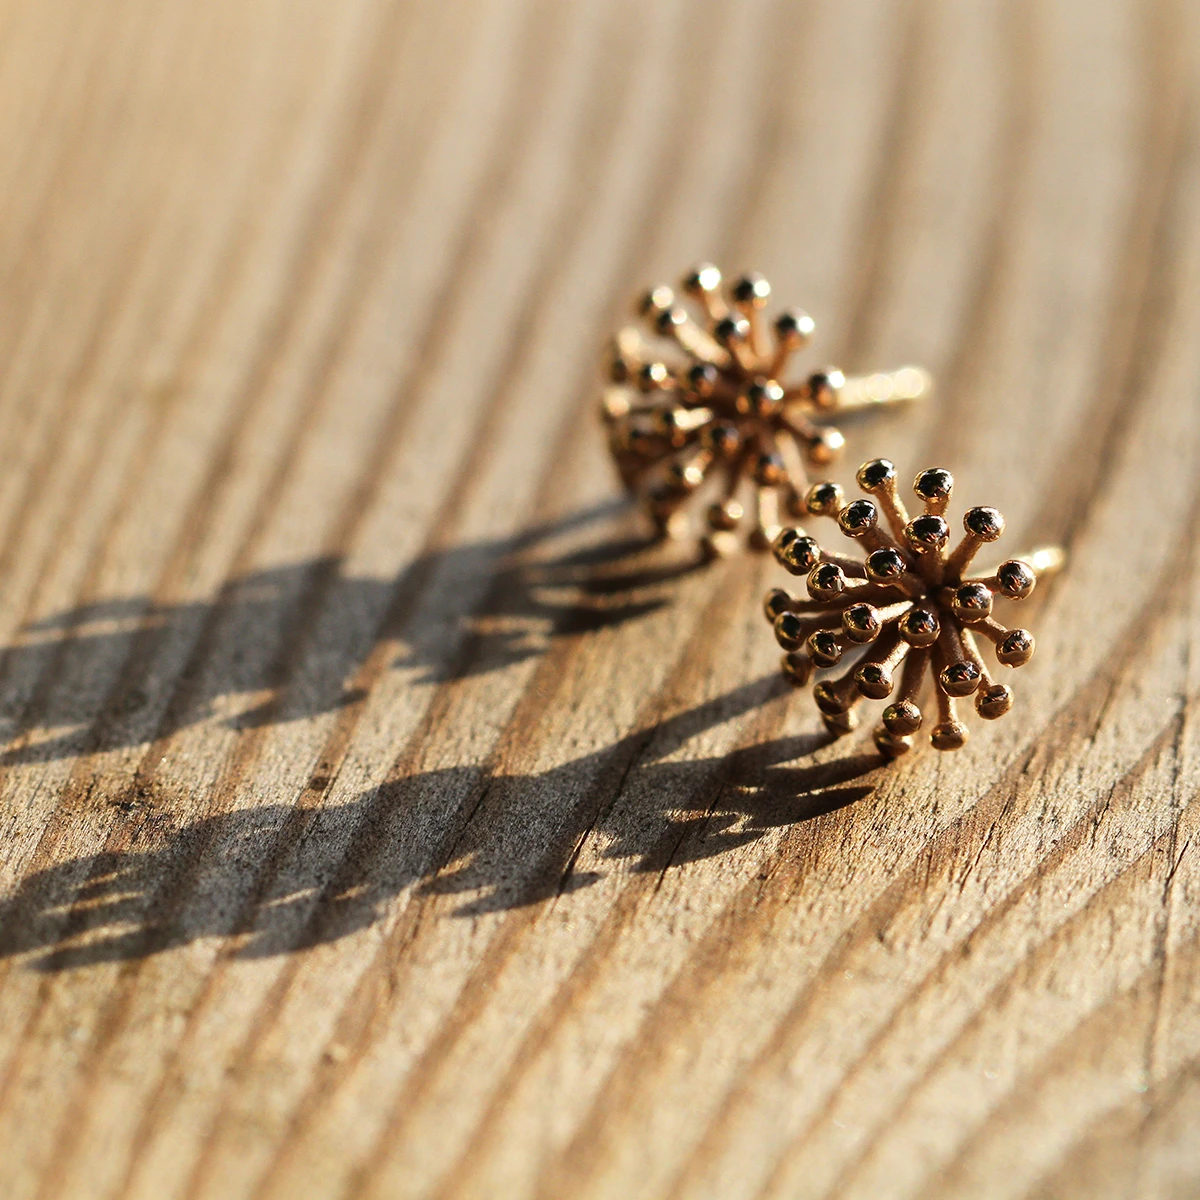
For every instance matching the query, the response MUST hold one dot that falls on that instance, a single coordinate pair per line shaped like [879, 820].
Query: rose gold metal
[710, 371]
[910, 605]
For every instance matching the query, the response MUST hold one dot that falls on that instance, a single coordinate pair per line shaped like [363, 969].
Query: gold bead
[722, 439]
[920, 627]
[796, 552]
[795, 504]
[902, 718]
[876, 475]
[823, 648]
[993, 702]
[825, 446]
[927, 534]
[986, 524]
[731, 331]
[686, 474]
[725, 514]
[934, 486]
[655, 301]
[763, 398]
[960, 679]
[950, 735]
[858, 518]
[824, 499]
[826, 581]
[775, 603]
[972, 602]
[861, 623]
[702, 380]
[874, 681]
[769, 470]
[670, 319]
[1016, 649]
[822, 387]
[704, 277]
[751, 291]
[794, 327]
[655, 376]
[619, 370]
[1016, 579]
[886, 565]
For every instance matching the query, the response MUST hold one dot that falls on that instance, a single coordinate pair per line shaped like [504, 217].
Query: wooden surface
[377, 819]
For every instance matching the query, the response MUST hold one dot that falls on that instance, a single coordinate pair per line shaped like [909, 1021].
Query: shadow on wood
[284, 644]
[274, 878]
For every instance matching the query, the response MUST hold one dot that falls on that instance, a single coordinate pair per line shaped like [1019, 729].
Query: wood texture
[378, 820]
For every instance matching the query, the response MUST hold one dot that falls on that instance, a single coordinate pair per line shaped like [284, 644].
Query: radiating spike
[981, 525]
[703, 283]
[958, 675]
[903, 717]
[949, 733]
[875, 675]
[793, 330]
[878, 478]
[1014, 647]
[993, 699]
[933, 488]
[750, 294]
[888, 567]
[860, 520]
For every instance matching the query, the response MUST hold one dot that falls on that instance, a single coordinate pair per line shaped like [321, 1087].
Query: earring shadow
[132, 670]
[274, 879]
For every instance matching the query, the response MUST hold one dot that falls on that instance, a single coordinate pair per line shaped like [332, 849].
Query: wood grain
[381, 818]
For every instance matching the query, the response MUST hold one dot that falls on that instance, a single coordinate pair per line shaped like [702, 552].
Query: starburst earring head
[701, 408]
[904, 612]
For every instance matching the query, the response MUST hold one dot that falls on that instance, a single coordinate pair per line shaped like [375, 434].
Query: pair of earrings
[698, 405]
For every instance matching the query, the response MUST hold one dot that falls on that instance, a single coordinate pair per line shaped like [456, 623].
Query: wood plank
[381, 816]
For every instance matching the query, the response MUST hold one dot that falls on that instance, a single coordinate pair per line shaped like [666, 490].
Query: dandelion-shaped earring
[909, 605]
[705, 397]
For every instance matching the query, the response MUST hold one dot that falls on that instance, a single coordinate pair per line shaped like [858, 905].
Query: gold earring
[706, 395]
[909, 604]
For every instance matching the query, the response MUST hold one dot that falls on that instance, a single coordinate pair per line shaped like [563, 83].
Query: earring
[706, 396]
[909, 604]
